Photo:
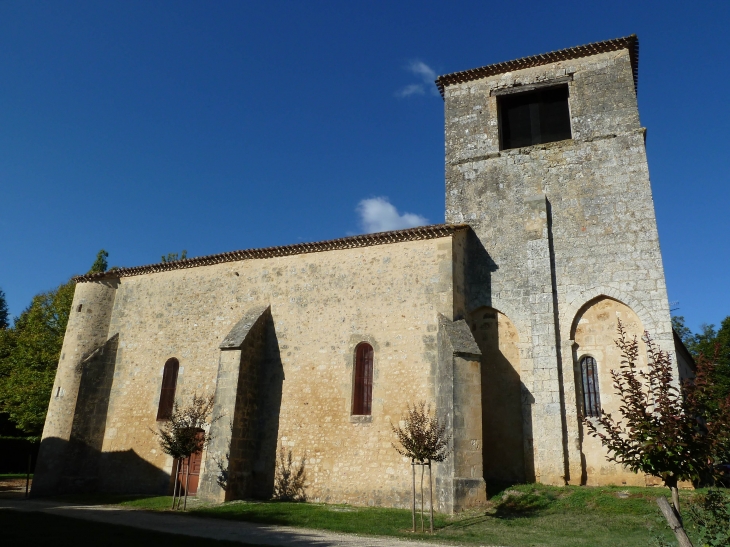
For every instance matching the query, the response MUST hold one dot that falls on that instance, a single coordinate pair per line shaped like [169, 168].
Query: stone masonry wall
[558, 225]
[83, 351]
[322, 306]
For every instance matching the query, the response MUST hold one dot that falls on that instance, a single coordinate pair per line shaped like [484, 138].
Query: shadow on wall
[271, 383]
[506, 401]
[479, 268]
[78, 465]
[128, 473]
[250, 461]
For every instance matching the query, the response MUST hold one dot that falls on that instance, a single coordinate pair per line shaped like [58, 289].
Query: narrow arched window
[167, 392]
[591, 395]
[362, 397]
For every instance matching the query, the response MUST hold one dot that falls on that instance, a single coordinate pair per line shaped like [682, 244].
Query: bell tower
[546, 161]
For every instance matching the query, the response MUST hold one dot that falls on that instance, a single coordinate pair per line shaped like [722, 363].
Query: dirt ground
[12, 488]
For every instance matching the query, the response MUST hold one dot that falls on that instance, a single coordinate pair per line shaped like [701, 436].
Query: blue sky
[150, 127]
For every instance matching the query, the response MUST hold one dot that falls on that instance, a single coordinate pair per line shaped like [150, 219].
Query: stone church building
[503, 319]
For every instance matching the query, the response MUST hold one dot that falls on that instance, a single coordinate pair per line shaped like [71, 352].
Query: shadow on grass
[100, 499]
[32, 528]
[515, 504]
[495, 488]
[347, 519]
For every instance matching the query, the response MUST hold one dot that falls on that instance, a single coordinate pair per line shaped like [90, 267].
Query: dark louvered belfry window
[534, 117]
[591, 395]
[167, 392]
[362, 400]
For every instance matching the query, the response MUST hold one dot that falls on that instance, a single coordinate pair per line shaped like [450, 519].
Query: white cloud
[413, 89]
[427, 76]
[419, 68]
[379, 215]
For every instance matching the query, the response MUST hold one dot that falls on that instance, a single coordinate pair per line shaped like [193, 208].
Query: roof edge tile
[433, 231]
[627, 42]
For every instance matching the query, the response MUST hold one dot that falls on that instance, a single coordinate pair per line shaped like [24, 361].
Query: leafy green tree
[174, 257]
[4, 318]
[682, 330]
[712, 344]
[29, 353]
[100, 265]
[29, 358]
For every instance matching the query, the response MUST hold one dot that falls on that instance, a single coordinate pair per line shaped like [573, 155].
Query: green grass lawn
[20, 528]
[524, 515]
[13, 476]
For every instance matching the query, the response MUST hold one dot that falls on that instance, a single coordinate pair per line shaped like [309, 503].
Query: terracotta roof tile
[367, 240]
[627, 42]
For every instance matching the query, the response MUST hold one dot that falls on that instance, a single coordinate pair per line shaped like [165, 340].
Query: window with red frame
[362, 398]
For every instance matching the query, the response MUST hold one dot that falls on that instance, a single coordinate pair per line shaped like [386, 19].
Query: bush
[290, 478]
[710, 515]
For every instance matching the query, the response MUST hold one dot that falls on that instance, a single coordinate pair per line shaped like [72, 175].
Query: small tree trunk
[671, 482]
[187, 484]
[180, 488]
[674, 522]
[422, 527]
[675, 501]
[413, 474]
[27, 475]
[430, 492]
[174, 484]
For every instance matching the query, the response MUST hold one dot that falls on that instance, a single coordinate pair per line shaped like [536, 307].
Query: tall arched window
[362, 397]
[167, 392]
[591, 395]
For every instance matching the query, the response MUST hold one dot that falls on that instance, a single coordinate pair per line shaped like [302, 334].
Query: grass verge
[14, 476]
[518, 516]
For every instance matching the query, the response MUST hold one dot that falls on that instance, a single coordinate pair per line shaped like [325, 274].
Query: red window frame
[362, 397]
[167, 391]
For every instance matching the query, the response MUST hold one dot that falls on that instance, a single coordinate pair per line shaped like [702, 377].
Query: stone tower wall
[558, 224]
[82, 351]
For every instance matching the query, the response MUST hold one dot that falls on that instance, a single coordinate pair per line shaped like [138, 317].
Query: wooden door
[193, 462]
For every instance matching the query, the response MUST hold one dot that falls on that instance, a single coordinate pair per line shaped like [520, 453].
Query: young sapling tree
[184, 433]
[422, 439]
[669, 432]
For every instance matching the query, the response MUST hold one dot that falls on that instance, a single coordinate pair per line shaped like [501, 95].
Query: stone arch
[503, 449]
[593, 330]
[586, 297]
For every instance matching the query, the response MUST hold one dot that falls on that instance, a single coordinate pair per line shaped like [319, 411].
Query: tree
[174, 257]
[671, 433]
[682, 330]
[710, 343]
[422, 439]
[4, 317]
[29, 354]
[100, 265]
[184, 433]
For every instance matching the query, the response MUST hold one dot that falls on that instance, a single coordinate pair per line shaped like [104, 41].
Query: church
[502, 319]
